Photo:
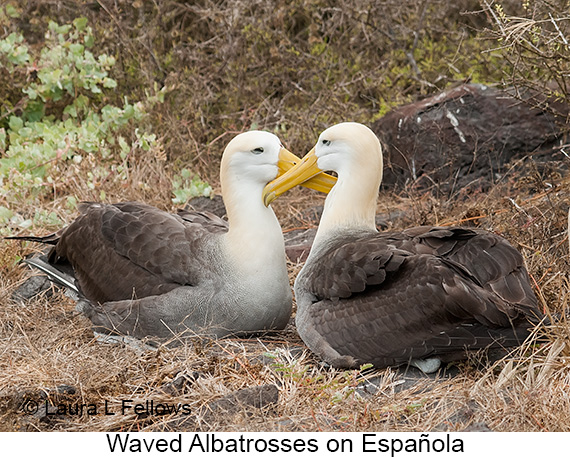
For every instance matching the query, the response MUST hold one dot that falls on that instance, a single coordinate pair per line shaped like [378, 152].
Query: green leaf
[59, 29]
[20, 55]
[125, 147]
[88, 41]
[12, 12]
[2, 140]
[5, 214]
[81, 102]
[71, 203]
[30, 92]
[34, 111]
[76, 49]
[15, 123]
[109, 83]
[80, 23]
[71, 110]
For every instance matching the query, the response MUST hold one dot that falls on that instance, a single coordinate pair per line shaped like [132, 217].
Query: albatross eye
[326, 142]
[257, 150]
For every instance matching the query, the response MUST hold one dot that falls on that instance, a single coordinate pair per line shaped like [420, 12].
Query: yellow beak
[297, 172]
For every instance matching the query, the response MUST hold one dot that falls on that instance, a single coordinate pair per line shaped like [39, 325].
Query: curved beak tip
[268, 198]
[294, 171]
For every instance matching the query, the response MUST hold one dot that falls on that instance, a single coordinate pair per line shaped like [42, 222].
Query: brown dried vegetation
[294, 69]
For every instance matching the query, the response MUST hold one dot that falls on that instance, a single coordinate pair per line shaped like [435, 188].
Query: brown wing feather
[131, 250]
[387, 298]
[215, 224]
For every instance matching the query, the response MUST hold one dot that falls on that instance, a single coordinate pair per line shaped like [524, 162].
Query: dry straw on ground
[227, 68]
[49, 354]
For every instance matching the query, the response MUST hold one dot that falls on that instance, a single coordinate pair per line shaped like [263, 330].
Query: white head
[252, 158]
[350, 148]
[353, 151]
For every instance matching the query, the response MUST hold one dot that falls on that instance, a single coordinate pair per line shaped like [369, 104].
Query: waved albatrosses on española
[420, 296]
[143, 271]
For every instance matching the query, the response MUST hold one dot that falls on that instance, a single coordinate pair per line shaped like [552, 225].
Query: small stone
[31, 287]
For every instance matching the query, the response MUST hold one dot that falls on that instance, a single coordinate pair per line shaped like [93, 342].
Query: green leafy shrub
[187, 185]
[290, 67]
[60, 117]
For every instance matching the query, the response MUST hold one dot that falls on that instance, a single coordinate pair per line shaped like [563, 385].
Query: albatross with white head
[142, 271]
[420, 296]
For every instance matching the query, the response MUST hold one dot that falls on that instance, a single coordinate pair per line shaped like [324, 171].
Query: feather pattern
[388, 298]
[151, 250]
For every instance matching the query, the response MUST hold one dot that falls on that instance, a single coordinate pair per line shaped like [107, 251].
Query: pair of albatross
[420, 296]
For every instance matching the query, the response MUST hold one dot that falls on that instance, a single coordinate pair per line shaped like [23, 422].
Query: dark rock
[45, 412]
[252, 397]
[410, 377]
[463, 138]
[65, 390]
[457, 420]
[477, 427]
[298, 252]
[299, 236]
[182, 379]
[32, 287]
[298, 243]
[25, 401]
[213, 205]
[224, 410]
[383, 220]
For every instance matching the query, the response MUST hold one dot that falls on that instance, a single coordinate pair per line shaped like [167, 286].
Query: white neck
[350, 205]
[254, 240]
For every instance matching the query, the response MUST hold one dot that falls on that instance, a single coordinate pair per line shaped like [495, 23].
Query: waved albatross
[420, 296]
[142, 271]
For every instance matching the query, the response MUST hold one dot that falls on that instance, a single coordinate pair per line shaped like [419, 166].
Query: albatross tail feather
[52, 238]
[55, 275]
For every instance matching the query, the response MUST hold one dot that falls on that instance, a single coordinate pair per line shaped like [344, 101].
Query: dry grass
[227, 69]
[47, 345]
